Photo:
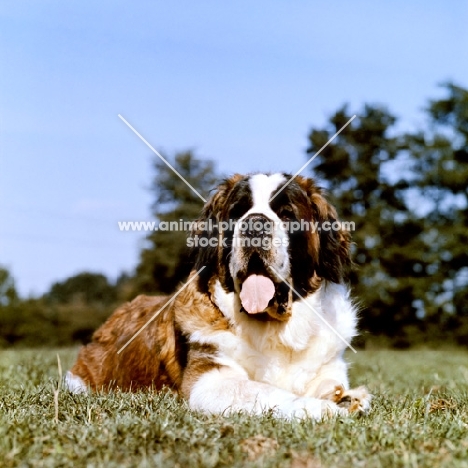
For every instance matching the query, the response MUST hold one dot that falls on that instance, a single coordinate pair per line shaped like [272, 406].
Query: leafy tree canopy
[85, 287]
[8, 294]
[407, 194]
[165, 262]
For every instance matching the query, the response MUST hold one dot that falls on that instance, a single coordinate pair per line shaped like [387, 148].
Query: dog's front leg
[224, 390]
[331, 383]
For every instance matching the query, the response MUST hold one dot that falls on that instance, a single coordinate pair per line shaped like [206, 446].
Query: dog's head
[269, 245]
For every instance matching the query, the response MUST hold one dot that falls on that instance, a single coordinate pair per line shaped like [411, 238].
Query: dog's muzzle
[256, 225]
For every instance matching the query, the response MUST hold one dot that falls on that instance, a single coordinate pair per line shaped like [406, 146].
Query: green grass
[419, 418]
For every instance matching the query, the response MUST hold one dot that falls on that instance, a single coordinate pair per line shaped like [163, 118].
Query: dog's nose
[256, 225]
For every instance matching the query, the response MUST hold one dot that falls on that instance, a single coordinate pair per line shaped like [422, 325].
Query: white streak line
[160, 310]
[313, 157]
[159, 156]
[314, 311]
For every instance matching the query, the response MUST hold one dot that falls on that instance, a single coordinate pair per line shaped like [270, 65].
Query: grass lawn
[419, 418]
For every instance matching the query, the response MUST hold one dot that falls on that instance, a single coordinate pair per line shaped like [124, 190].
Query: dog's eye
[237, 210]
[286, 212]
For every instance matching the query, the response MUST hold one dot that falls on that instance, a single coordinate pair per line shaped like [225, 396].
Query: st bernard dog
[263, 321]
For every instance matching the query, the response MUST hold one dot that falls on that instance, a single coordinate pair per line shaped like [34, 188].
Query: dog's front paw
[354, 400]
[306, 407]
[330, 409]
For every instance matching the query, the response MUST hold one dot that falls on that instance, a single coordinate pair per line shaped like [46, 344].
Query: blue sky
[240, 82]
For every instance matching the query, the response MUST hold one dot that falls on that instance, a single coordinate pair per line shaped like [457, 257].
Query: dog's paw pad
[355, 400]
[337, 394]
[330, 409]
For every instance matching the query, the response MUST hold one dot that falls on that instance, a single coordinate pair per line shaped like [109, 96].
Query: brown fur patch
[332, 248]
[151, 359]
[200, 360]
[159, 354]
[194, 311]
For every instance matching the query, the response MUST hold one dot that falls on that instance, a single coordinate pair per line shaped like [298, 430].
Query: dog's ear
[330, 245]
[334, 261]
[205, 231]
[206, 238]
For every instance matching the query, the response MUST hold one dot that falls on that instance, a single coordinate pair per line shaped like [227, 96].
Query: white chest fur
[296, 355]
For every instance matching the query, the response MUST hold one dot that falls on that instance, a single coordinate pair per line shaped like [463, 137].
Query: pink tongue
[256, 293]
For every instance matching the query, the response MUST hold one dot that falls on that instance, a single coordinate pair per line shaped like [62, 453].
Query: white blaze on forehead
[263, 187]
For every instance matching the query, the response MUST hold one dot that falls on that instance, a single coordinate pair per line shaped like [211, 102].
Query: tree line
[406, 192]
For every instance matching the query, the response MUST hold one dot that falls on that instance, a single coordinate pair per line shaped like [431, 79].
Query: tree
[358, 169]
[165, 261]
[84, 287]
[9, 317]
[8, 294]
[408, 196]
[440, 156]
